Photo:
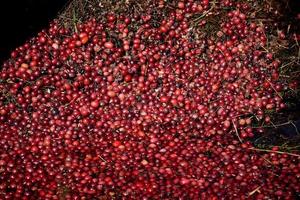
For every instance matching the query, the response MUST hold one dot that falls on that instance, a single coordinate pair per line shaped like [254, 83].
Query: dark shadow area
[22, 19]
[285, 128]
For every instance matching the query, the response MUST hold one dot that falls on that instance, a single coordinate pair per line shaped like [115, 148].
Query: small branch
[274, 89]
[274, 125]
[295, 128]
[287, 64]
[236, 131]
[206, 12]
[298, 48]
[254, 191]
[102, 158]
[278, 152]
[75, 99]
[267, 160]
[75, 21]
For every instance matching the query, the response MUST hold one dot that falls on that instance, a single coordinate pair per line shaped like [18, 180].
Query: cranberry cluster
[141, 107]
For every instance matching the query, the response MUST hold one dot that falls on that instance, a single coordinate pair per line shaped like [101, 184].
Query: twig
[274, 125]
[75, 99]
[102, 158]
[254, 191]
[274, 89]
[75, 21]
[206, 12]
[295, 127]
[287, 64]
[267, 160]
[281, 45]
[266, 50]
[236, 131]
[278, 152]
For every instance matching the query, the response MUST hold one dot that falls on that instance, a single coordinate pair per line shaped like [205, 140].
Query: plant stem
[278, 152]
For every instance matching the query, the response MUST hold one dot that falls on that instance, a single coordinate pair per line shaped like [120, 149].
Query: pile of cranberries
[141, 107]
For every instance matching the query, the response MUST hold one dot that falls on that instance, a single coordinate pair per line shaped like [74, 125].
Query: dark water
[22, 19]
